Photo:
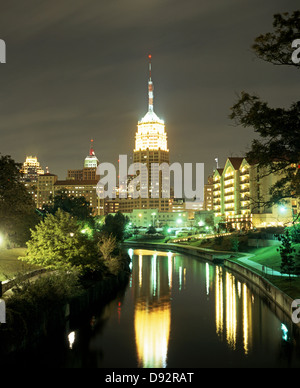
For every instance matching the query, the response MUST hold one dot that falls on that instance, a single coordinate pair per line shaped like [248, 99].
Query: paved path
[267, 270]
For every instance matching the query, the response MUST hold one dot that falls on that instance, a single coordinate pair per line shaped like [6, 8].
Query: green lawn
[267, 256]
[10, 266]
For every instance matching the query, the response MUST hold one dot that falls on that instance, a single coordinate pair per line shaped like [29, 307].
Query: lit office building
[150, 147]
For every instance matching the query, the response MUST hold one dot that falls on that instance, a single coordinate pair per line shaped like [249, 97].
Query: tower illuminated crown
[151, 132]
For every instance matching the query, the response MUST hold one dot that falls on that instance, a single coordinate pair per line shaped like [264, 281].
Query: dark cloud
[78, 69]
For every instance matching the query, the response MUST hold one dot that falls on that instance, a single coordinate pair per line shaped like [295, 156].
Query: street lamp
[153, 216]
[282, 209]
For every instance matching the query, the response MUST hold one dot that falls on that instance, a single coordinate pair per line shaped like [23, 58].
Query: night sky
[78, 69]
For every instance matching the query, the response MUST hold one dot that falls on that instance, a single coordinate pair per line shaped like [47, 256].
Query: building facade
[208, 194]
[89, 171]
[86, 189]
[45, 190]
[237, 192]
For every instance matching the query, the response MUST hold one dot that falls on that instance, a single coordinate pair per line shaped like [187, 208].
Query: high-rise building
[31, 169]
[30, 172]
[151, 150]
[89, 171]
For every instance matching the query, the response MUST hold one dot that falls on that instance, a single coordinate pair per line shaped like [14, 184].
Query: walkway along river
[177, 311]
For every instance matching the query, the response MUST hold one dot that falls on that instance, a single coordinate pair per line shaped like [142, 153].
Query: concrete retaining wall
[253, 242]
[205, 254]
[280, 299]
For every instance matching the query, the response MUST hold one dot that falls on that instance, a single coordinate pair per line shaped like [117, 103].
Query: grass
[10, 266]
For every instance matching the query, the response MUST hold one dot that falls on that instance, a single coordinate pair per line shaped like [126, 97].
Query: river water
[178, 312]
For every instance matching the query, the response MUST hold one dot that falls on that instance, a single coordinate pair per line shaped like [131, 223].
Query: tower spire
[91, 148]
[150, 87]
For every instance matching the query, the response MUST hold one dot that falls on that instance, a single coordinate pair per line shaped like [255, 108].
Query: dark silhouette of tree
[115, 225]
[278, 148]
[76, 206]
[286, 251]
[17, 208]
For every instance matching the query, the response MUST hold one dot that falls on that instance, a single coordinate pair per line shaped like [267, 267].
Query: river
[178, 312]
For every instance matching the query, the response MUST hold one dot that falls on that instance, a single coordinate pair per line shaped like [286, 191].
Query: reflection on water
[153, 305]
[152, 316]
[152, 321]
[159, 277]
[180, 312]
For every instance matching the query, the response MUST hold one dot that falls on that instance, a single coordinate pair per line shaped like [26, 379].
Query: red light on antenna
[149, 56]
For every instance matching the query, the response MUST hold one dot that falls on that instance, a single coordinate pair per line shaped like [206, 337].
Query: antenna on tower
[91, 149]
[150, 87]
[150, 56]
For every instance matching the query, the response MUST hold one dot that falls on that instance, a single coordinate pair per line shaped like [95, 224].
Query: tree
[77, 206]
[58, 243]
[107, 245]
[278, 148]
[17, 208]
[151, 230]
[115, 225]
[275, 47]
[295, 233]
[287, 253]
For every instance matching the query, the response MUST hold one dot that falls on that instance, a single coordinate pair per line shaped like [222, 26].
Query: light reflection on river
[179, 312]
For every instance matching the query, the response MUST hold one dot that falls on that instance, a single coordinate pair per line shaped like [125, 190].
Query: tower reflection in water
[152, 282]
[152, 318]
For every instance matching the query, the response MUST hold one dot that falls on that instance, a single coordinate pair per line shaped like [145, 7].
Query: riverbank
[47, 306]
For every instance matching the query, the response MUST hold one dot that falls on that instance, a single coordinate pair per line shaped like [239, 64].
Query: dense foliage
[17, 209]
[278, 148]
[58, 242]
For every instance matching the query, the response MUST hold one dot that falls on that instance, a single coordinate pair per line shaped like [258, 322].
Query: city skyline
[71, 77]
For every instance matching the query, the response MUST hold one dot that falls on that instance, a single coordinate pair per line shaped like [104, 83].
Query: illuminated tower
[91, 160]
[31, 169]
[151, 147]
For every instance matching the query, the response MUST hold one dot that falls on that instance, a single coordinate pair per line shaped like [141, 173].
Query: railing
[9, 284]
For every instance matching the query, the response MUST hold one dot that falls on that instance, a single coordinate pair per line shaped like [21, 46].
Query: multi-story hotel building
[151, 149]
[237, 192]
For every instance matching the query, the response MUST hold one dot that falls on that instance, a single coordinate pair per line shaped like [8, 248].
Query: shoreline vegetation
[37, 309]
[79, 263]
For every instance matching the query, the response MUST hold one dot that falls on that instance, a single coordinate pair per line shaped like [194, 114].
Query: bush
[33, 304]
[234, 242]
[58, 242]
